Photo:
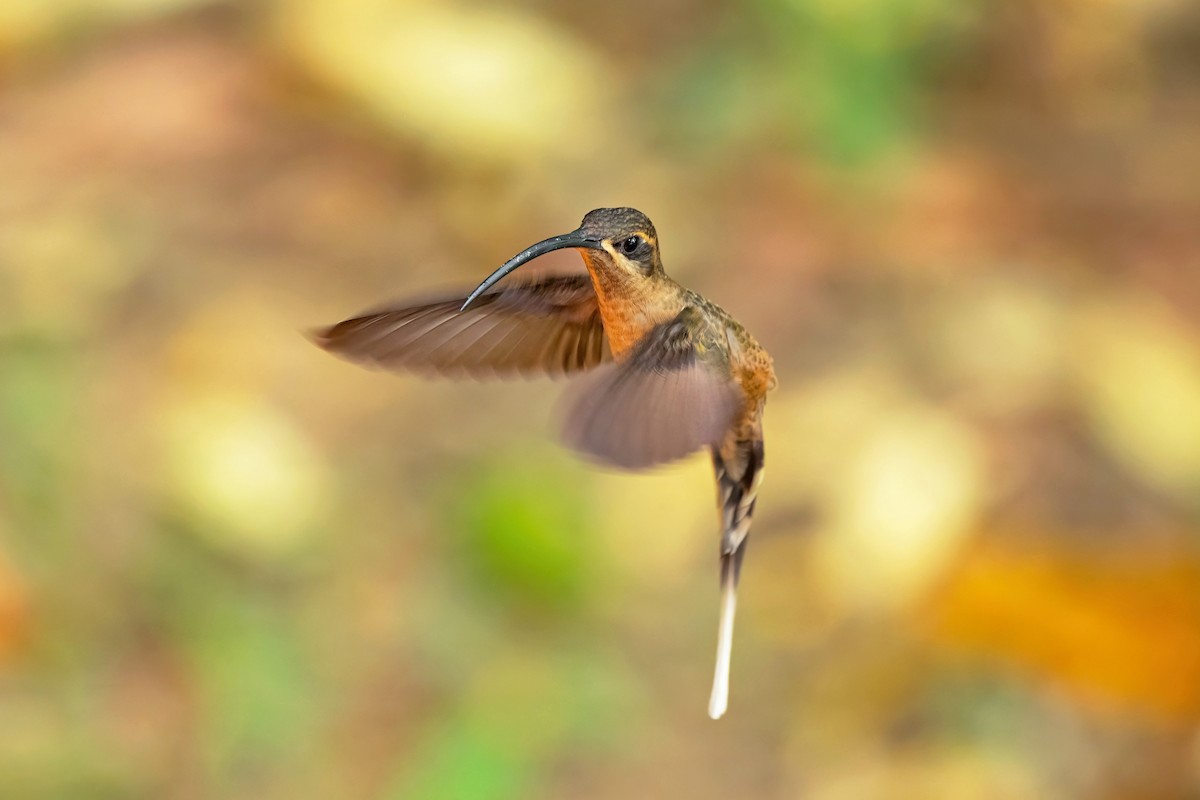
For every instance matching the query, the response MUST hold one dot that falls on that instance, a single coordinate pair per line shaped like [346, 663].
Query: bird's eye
[631, 244]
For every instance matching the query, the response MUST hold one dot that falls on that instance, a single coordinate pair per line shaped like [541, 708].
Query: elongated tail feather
[738, 476]
[731, 564]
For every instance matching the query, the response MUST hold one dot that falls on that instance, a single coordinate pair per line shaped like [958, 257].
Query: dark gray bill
[573, 239]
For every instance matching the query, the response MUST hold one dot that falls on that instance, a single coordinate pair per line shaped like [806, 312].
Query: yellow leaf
[901, 509]
[494, 85]
[247, 479]
[1138, 370]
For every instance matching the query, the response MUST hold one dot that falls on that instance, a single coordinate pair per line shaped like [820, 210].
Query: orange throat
[630, 306]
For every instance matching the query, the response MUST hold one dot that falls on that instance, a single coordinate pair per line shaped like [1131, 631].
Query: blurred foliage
[231, 566]
[523, 532]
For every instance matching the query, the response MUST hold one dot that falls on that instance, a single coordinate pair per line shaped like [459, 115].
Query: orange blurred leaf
[1116, 627]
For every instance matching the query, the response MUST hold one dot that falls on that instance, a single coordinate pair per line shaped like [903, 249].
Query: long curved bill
[574, 239]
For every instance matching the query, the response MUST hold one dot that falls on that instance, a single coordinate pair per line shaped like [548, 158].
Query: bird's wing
[669, 398]
[549, 327]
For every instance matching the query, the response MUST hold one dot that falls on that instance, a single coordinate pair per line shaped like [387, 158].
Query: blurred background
[232, 566]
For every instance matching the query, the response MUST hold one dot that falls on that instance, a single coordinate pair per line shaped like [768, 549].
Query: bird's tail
[738, 475]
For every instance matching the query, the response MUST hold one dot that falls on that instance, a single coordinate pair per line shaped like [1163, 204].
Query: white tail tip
[718, 702]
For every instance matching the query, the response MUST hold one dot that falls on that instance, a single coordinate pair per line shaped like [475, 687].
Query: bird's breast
[627, 323]
[631, 306]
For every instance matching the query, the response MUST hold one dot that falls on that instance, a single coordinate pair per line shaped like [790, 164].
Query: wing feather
[552, 326]
[663, 402]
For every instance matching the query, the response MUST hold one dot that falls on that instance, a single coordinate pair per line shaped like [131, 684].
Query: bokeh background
[234, 567]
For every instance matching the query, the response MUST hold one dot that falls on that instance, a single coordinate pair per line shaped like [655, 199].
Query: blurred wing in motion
[662, 403]
[549, 327]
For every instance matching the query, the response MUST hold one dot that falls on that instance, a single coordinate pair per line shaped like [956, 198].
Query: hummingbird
[661, 371]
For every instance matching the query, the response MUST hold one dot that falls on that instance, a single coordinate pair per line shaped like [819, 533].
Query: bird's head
[626, 236]
[622, 240]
